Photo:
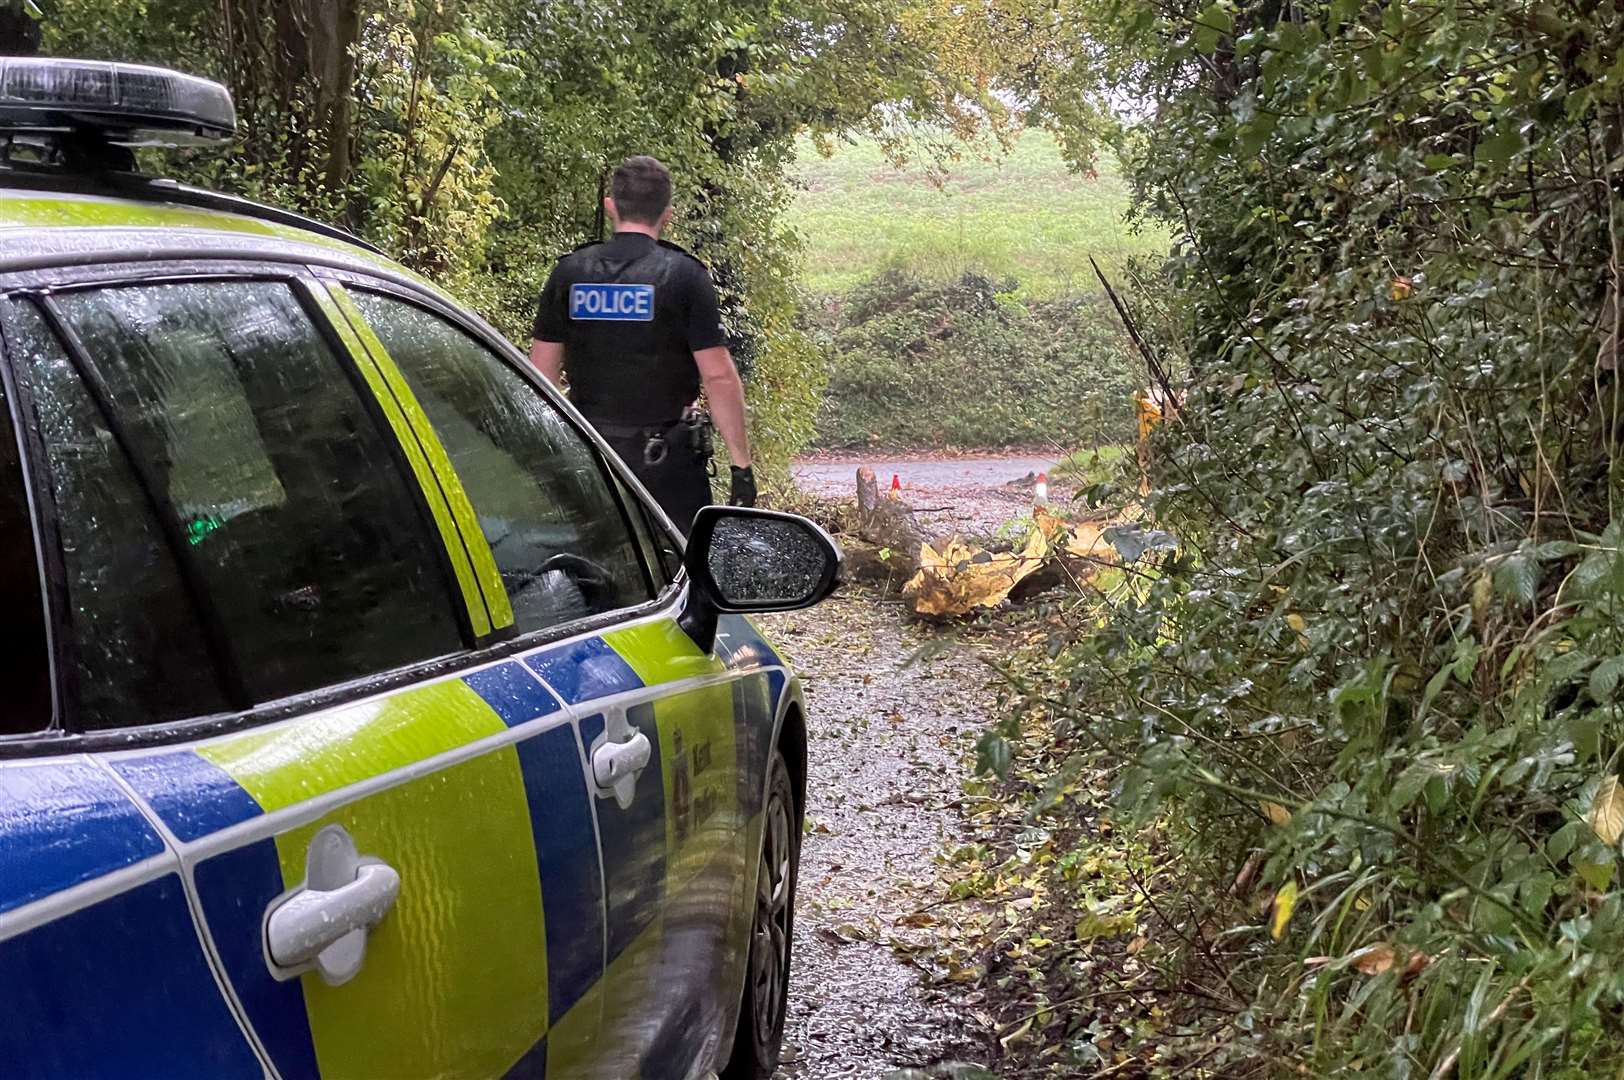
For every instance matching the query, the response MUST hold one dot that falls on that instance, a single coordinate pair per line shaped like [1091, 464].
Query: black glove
[744, 487]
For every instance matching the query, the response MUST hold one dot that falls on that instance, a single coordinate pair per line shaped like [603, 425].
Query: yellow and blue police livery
[368, 718]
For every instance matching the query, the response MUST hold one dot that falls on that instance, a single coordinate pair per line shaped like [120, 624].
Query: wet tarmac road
[888, 743]
[969, 493]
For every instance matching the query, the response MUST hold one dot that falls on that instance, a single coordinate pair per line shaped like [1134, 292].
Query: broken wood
[1158, 375]
[956, 577]
[873, 565]
[949, 576]
[890, 525]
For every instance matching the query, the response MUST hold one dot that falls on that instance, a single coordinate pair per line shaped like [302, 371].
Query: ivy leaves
[1394, 258]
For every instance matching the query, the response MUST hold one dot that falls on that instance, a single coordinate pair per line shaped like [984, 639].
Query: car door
[679, 831]
[105, 971]
[371, 809]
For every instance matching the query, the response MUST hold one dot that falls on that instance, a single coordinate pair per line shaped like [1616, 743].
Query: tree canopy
[470, 138]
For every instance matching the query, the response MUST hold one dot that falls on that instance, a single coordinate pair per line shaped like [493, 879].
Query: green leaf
[1585, 731]
[1439, 162]
[1497, 149]
[1131, 541]
[1466, 657]
[994, 754]
[1534, 891]
[1556, 549]
[1598, 875]
[1410, 783]
[1590, 578]
[1491, 918]
[1517, 578]
[1211, 25]
[1604, 679]
[1435, 686]
[1562, 841]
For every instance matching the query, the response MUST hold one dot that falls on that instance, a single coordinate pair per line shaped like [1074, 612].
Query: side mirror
[743, 560]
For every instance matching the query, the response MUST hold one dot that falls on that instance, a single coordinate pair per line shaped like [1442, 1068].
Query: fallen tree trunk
[947, 576]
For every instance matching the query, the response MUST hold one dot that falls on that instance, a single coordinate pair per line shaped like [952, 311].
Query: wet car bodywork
[424, 737]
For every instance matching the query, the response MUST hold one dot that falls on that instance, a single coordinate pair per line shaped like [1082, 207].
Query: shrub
[916, 364]
[1385, 658]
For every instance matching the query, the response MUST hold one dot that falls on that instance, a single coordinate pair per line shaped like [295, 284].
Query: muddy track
[888, 744]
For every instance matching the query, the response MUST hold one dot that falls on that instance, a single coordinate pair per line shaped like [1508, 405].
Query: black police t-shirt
[630, 313]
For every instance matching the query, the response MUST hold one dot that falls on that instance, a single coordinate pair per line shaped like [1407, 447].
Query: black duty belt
[655, 440]
[632, 431]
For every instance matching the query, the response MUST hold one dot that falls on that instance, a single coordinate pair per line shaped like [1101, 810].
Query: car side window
[25, 665]
[277, 494]
[660, 551]
[559, 536]
[138, 650]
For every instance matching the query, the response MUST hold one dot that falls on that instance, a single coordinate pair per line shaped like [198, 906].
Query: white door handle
[615, 766]
[324, 923]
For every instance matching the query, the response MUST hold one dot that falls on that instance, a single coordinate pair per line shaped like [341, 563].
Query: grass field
[1023, 215]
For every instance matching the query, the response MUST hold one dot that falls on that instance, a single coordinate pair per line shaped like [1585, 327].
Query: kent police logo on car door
[615, 303]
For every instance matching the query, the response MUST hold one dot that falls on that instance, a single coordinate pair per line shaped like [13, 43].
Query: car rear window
[138, 652]
[291, 530]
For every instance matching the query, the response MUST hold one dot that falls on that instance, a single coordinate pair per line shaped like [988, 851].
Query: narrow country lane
[949, 492]
[891, 735]
[888, 743]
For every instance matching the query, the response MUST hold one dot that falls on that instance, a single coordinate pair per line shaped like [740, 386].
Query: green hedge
[1373, 651]
[968, 364]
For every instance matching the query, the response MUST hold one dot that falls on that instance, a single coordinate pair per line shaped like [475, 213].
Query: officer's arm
[725, 393]
[548, 357]
[547, 333]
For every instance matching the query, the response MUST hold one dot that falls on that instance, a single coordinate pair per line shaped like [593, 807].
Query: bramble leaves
[1133, 541]
[1392, 304]
[1516, 577]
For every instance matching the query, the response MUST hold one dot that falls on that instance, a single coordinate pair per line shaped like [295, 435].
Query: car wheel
[760, 1036]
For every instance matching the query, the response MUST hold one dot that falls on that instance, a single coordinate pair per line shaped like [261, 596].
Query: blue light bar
[122, 104]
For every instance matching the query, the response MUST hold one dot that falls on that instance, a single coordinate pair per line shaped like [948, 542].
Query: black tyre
[760, 1037]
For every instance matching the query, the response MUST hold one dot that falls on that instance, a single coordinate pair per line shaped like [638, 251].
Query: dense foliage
[968, 364]
[470, 137]
[1367, 665]
[1386, 652]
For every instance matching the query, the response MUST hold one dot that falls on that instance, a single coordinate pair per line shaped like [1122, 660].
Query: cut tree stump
[885, 521]
[888, 534]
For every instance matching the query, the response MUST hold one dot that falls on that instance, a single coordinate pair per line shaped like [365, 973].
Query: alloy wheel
[771, 932]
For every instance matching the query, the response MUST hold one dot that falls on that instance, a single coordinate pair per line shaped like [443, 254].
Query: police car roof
[73, 196]
[56, 219]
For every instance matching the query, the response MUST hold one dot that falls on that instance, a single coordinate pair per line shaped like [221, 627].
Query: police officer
[634, 324]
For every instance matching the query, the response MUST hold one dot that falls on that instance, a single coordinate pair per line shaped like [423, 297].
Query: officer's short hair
[641, 188]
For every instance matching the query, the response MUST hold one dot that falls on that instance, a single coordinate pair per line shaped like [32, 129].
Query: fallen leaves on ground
[1374, 959]
[1277, 814]
[1606, 815]
[1285, 902]
[1377, 959]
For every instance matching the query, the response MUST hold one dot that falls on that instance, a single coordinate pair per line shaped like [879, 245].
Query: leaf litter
[878, 981]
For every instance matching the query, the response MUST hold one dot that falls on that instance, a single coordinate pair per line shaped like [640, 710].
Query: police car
[365, 718]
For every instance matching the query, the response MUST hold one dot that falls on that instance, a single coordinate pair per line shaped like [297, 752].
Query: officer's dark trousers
[680, 483]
